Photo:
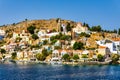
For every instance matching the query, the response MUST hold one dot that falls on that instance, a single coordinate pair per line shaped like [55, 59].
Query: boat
[55, 61]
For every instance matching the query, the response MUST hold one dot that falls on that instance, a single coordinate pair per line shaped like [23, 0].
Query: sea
[1, 37]
[58, 72]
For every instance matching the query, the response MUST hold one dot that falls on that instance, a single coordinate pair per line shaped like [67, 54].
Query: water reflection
[61, 72]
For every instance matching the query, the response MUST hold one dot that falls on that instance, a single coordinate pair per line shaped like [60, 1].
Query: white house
[44, 33]
[58, 43]
[85, 52]
[55, 55]
[108, 43]
[52, 34]
[19, 55]
[23, 55]
[15, 35]
[117, 43]
[41, 33]
[2, 32]
[11, 47]
[79, 29]
[34, 51]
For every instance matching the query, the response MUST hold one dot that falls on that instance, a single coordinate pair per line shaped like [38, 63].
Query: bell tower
[59, 25]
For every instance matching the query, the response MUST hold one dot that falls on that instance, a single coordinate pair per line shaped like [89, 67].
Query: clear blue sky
[94, 12]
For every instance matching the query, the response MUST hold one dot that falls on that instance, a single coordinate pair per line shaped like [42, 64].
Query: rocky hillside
[52, 24]
[40, 24]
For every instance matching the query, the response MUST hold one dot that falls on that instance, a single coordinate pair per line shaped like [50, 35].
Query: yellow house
[102, 50]
[78, 52]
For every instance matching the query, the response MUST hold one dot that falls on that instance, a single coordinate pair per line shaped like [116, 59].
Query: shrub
[31, 29]
[34, 36]
[66, 57]
[76, 57]
[100, 57]
[115, 58]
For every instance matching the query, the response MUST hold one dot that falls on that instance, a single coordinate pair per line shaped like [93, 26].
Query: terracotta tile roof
[77, 50]
[116, 39]
[102, 46]
[69, 50]
[60, 50]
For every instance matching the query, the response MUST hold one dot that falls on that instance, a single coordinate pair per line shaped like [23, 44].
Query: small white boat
[55, 61]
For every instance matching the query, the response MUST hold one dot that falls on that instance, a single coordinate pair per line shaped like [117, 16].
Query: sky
[94, 12]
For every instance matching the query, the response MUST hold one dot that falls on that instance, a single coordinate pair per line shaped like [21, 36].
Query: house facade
[109, 44]
[103, 50]
[79, 29]
[2, 32]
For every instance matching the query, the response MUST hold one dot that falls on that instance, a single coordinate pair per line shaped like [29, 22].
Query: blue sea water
[1, 37]
[59, 72]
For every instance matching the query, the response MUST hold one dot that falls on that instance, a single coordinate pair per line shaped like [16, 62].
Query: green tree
[34, 36]
[54, 41]
[115, 58]
[26, 19]
[65, 37]
[78, 45]
[13, 24]
[58, 19]
[40, 57]
[119, 31]
[61, 28]
[14, 55]
[37, 46]
[84, 34]
[96, 28]
[52, 38]
[100, 57]
[66, 57]
[58, 36]
[45, 42]
[84, 56]
[44, 52]
[68, 27]
[3, 51]
[115, 31]
[75, 57]
[31, 29]
[86, 25]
